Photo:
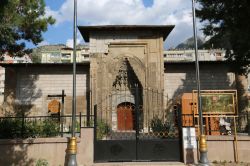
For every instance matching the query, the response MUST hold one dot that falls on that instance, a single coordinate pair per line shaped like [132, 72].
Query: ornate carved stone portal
[122, 57]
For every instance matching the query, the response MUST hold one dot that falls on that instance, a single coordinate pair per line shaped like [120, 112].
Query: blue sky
[100, 12]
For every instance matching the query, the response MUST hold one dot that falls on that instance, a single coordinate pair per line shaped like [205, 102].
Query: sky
[120, 12]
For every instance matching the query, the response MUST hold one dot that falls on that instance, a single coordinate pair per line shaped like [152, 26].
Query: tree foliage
[22, 20]
[227, 22]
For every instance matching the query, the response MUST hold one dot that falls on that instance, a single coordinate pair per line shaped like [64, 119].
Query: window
[66, 55]
[85, 56]
[55, 55]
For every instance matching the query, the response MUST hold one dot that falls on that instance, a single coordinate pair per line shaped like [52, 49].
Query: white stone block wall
[181, 78]
[34, 85]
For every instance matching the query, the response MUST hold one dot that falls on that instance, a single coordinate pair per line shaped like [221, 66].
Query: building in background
[59, 54]
[7, 58]
[189, 55]
[62, 54]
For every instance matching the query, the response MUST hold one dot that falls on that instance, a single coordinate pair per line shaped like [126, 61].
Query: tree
[21, 21]
[227, 22]
[36, 55]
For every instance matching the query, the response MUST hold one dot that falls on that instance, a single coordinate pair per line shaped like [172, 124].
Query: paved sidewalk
[141, 164]
[224, 164]
[231, 164]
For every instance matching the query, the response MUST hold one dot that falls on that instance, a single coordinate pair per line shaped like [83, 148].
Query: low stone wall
[222, 148]
[27, 151]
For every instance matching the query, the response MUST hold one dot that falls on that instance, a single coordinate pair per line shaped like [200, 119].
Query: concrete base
[29, 151]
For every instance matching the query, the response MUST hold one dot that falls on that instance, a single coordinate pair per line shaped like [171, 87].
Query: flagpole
[72, 144]
[203, 160]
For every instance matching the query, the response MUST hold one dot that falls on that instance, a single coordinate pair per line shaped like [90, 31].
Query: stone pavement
[224, 164]
[140, 164]
[231, 164]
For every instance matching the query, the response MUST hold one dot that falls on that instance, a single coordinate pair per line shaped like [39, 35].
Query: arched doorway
[125, 116]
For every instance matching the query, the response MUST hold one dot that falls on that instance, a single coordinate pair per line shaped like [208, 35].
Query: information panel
[189, 138]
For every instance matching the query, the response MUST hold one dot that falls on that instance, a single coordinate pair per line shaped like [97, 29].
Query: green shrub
[77, 126]
[162, 128]
[158, 125]
[31, 129]
[17, 128]
[9, 128]
[42, 162]
[103, 129]
[50, 128]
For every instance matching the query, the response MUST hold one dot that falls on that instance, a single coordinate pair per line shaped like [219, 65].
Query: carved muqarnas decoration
[126, 77]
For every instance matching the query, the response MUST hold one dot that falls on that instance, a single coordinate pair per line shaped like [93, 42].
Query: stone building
[129, 86]
[129, 55]
[114, 52]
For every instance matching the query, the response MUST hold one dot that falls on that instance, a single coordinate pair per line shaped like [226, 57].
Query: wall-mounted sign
[189, 138]
[54, 106]
[217, 102]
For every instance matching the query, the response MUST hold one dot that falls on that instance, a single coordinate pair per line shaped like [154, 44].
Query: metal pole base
[203, 151]
[203, 159]
[71, 152]
[71, 160]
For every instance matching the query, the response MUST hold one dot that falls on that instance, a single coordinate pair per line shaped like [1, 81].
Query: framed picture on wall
[217, 102]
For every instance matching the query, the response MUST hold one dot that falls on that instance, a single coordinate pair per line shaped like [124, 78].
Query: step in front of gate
[140, 164]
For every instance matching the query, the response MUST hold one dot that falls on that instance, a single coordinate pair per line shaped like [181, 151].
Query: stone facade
[143, 53]
[141, 48]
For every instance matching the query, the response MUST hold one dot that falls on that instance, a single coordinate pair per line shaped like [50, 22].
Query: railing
[42, 126]
[188, 120]
[220, 124]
